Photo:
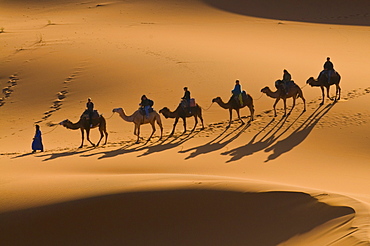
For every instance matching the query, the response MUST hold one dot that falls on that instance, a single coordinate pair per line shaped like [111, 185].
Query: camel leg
[106, 136]
[323, 95]
[291, 110]
[284, 101]
[83, 136]
[184, 123]
[231, 115]
[251, 109]
[274, 106]
[338, 91]
[238, 112]
[174, 126]
[159, 122]
[153, 131]
[201, 118]
[327, 93]
[138, 132]
[88, 137]
[304, 102]
[196, 122]
[101, 137]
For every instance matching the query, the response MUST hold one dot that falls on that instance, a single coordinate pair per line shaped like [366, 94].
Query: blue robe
[37, 141]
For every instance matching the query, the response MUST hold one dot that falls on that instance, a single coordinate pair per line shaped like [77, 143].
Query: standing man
[37, 141]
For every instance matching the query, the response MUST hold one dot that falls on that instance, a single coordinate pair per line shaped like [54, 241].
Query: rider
[328, 68]
[286, 79]
[237, 92]
[90, 110]
[146, 104]
[186, 97]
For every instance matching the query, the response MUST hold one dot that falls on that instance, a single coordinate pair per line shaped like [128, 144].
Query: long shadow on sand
[266, 143]
[153, 147]
[216, 144]
[52, 156]
[266, 140]
[299, 135]
[342, 12]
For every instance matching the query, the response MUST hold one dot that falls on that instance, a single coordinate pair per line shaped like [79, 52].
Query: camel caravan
[285, 88]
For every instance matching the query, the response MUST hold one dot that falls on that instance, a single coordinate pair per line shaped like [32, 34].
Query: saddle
[285, 87]
[184, 103]
[86, 115]
[142, 111]
[325, 74]
[240, 98]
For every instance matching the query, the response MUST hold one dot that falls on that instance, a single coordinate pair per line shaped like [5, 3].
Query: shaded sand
[295, 180]
[181, 212]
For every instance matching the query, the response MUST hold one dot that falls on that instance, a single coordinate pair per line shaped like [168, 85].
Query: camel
[294, 92]
[233, 104]
[183, 113]
[138, 119]
[84, 125]
[322, 81]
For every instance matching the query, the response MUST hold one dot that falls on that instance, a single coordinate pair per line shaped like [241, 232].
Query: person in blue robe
[37, 141]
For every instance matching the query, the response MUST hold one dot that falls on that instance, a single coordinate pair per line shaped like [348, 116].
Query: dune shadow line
[341, 12]
[171, 217]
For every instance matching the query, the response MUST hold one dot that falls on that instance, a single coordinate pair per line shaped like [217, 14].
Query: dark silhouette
[182, 113]
[232, 104]
[37, 141]
[84, 125]
[322, 82]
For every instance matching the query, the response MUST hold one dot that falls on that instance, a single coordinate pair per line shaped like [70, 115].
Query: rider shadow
[217, 143]
[299, 135]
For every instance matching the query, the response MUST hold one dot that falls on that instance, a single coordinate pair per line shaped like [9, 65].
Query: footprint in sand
[60, 97]
[9, 89]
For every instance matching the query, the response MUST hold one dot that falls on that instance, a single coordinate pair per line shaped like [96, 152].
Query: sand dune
[295, 180]
[177, 215]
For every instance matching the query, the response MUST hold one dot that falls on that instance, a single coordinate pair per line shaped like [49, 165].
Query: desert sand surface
[302, 179]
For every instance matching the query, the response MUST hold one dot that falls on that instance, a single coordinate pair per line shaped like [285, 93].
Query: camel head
[65, 122]
[310, 80]
[265, 89]
[217, 99]
[116, 110]
[165, 111]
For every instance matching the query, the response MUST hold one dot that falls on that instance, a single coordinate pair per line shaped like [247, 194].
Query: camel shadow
[150, 147]
[217, 143]
[23, 155]
[53, 156]
[266, 140]
[253, 147]
[299, 135]
[170, 145]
